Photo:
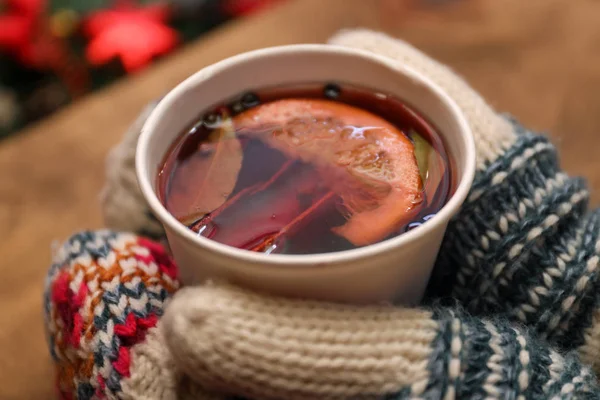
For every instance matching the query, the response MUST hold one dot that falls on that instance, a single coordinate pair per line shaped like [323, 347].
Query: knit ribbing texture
[270, 348]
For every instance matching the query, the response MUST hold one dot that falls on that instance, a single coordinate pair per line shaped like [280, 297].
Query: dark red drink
[306, 169]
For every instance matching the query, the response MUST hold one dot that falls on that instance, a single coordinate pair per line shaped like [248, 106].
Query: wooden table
[536, 59]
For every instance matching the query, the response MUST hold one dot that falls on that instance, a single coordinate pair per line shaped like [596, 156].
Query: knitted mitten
[520, 249]
[107, 291]
[521, 246]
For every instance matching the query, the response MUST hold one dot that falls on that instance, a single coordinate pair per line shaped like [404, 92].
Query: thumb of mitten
[238, 342]
[261, 347]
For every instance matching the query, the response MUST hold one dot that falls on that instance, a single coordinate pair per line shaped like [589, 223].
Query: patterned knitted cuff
[523, 247]
[269, 348]
[104, 292]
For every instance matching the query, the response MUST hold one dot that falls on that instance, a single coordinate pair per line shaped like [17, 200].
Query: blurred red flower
[19, 27]
[133, 34]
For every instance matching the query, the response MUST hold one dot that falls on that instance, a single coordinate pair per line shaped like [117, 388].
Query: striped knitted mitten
[520, 250]
[522, 245]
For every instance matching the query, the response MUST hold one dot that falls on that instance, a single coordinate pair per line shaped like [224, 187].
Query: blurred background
[54, 52]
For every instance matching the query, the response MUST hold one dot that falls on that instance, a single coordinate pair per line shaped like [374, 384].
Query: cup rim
[305, 260]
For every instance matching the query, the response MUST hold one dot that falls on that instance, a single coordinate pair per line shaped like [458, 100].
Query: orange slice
[367, 161]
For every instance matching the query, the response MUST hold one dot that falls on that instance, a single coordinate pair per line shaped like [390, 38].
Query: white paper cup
[396, 269]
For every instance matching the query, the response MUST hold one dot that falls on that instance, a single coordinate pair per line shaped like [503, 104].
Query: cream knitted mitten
[520, 250]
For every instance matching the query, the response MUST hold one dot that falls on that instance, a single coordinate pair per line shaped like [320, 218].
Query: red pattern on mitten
[104, 292]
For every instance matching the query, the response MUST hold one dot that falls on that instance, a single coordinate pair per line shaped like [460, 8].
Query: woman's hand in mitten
[105, 298]
[520, 248]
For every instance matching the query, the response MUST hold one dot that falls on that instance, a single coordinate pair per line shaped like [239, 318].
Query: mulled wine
[306, 169]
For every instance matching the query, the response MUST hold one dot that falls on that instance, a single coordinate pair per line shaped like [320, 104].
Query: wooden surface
[536, 59]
